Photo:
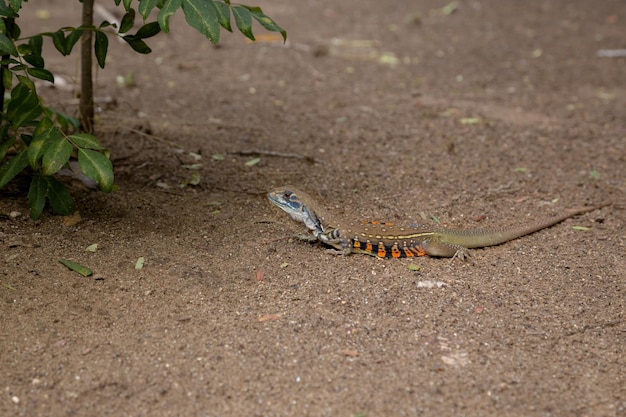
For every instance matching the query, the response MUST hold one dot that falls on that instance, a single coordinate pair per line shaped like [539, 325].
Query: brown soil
[493, 115]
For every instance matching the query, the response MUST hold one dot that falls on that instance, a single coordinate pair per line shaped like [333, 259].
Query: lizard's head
[294, 203]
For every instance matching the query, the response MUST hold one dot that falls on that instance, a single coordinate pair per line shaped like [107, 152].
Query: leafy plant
[36, 138]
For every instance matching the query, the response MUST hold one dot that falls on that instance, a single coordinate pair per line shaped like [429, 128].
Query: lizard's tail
[480, 238]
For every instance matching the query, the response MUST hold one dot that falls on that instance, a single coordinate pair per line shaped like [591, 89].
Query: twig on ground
[278, 155]
[611, 53]
[156, 138]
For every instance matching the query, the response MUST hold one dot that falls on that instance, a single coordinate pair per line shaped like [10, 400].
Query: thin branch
[9, 24]
[278, 154]
[86, 107]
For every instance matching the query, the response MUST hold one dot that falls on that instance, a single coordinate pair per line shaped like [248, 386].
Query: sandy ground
[493, 115]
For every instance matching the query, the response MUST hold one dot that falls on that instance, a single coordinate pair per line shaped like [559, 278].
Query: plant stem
[9, 23]
[86, 82]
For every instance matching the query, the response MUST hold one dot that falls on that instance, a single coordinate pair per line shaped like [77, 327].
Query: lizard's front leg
[336, 239]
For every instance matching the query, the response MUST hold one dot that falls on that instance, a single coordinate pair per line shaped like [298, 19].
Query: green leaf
[26, 82]
[76, 267]
[168, 9]
[16, 5]
[137, 44]
[127, 4]
[36, 42]
[194, 179]
[13, 167]
[7, 46]
[43, 132]
[127, 21]
[66, 121]
[252, 162]
[97, 167]
[6, 141]
[101, 47]
[16, 32]
[7, 80]
[56, 153]
[26, 138]
[43, 127]
[34, 60]
[9, 61]
[35, 150]
[58, 40]
[60, 198]
[267, 22]
[42, 74]
[7, 11]
[24, 105]
[86, 141]
[148, 30]
[202, 15]
[24, 49]
[37, 195]
[223, 16]
[243, 20]
[146, 6]
[72, 38]
[140, 261]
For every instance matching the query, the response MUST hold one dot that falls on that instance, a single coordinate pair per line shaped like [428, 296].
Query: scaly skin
[386, 240]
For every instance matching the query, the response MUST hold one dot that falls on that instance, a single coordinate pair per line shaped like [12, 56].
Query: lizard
[385, 240]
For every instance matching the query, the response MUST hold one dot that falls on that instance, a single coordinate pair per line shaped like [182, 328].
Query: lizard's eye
[287, 195]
